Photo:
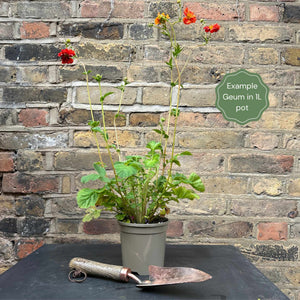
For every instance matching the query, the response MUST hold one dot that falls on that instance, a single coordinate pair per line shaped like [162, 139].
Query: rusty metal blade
[163, 276]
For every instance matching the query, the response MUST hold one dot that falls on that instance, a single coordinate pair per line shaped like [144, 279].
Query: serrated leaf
[100, 170]
[87, 178]
[196, 182]
[124, 171]
[154, 145]
[87, 198]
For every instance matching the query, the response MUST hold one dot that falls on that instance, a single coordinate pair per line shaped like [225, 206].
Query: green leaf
[92, 214]
[104, 96]
[185, 153]
[100, 170]
[157, 131]
[124, 171]
[154, 145]
[176, 161]
[93, 123]
[87, 197]
[89, 177]
[182, 193]
[196, 182]
[153, 161]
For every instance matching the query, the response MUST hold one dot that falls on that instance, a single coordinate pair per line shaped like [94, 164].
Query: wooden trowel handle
[100, 269]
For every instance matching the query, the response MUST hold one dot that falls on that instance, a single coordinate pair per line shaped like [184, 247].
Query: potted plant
[140, 187]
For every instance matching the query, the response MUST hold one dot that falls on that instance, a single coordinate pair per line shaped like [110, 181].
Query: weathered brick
[64, 207]
[291, 56]
[26, 247]
[140, 32]
[144, 73]
[278, 120]
[253, 163]
[211, 140]
[33, 74]
[121, 9]
[261, 208]
[272, 231]
[32, 205]
[291, 97]
[31, 52]
[207, 205]
[6, 31]
[263, 56]
[8, 226]
[19, 140]
[128, 98]
[260, 33]
[260, 12]
[202, 162]
[167, 7]
[232, 185]
[81, 116]
[28, 95]
[264, 140]
[220, 229]
[66, 185]
[79, 160]
[291, 14]
[31, 226]
[125, 138]
[74, 72]
[7, 162]
[291, 141]
[67, 226]
[230, 54]
[271, 252]
[175, 229]
[33, 117]
[43, 10]
[199, 97]
[144, 119]
[101, 226]
[294, 187]
[24, 183]
[107, 52]
[99, 31]
[34, 30]
[156, 95]
[4, 9]
[267, 186]
[7, 205]
[8, 74]
[216, 11]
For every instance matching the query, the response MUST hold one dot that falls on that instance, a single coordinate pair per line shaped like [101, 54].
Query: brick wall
[251, 172]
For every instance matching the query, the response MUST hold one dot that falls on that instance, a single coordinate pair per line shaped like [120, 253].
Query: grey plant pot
[143, 245]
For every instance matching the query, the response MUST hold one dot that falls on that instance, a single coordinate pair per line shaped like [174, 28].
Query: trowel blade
[173, 275]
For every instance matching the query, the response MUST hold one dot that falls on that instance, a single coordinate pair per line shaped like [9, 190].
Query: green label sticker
[242, 97]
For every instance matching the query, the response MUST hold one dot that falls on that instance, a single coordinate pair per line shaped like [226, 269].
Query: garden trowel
[158, 276]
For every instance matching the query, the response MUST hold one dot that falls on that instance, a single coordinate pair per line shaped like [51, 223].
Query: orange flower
[189, 17]
[212, 28]
[161, 19]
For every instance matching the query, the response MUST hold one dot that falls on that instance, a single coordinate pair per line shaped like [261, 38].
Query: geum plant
[142, 186]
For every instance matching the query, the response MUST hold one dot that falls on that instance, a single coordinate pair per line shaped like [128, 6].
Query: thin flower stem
[92, 114]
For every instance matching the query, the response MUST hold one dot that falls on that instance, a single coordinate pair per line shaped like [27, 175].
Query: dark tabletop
[44, 275]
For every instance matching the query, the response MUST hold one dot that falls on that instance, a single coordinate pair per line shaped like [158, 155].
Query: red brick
[264, 13]
[101, 226]
[175, 229]
[23, 183]
[215, 11]
[34, 30]
[6, 162]
[33, 117]
[272, 231]
[122, 9]
[26, 247]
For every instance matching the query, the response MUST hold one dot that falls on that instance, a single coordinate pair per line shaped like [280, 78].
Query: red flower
[161, 19]
[212, 28]
[66, 55]
[189, 17]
